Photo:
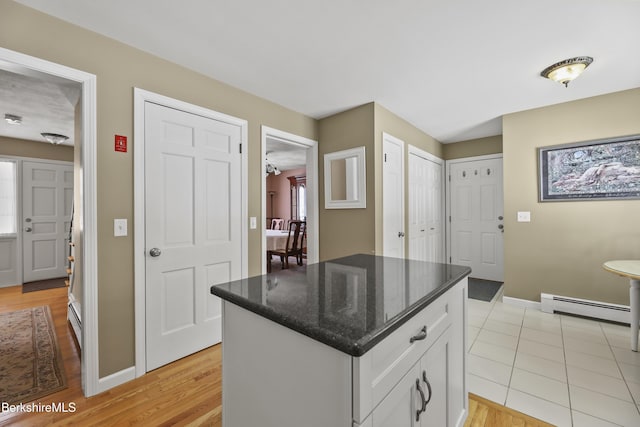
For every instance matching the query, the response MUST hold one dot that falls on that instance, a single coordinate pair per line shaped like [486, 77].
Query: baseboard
[583, 307]
[523, 303]
[116, 379]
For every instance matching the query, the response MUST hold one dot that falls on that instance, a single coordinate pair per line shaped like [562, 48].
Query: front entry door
[46, 206]
[476, 214]
[192, 228]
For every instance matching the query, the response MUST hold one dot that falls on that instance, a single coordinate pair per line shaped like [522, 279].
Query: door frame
[413, 150]
[140, 97]
[448, 164]
[313, 235]
[21, 63]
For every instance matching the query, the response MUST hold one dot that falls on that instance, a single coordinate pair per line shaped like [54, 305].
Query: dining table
[276, 239]
[631, 270]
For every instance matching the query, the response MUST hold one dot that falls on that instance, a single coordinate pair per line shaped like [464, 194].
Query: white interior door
[476, 211]
[46, 209]
[193, 226]
[393, 196]
[426, 227]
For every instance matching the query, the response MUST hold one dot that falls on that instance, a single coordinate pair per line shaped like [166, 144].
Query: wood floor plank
[184, 393]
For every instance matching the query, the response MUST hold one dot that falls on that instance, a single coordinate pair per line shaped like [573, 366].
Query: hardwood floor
[185, 393]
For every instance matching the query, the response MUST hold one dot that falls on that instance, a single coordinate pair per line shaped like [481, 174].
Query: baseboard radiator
[598, 310]
[76, 322]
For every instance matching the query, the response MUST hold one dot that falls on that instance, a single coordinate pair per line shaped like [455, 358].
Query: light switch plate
[524, 216]
[253, 223]
[119, 227]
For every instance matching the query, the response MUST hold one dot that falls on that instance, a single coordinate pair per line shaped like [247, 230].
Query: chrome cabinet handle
[419, 336]
[426, 381]
[155, 252]
[421, 410]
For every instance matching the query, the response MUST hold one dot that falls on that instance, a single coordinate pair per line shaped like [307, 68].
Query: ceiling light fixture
[12, 119]
[269, 168]
[567, 70]
[54, 138]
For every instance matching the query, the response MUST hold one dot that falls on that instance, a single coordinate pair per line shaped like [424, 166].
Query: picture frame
[601, 169]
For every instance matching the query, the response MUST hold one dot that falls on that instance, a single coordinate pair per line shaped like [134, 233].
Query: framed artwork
[601, 169]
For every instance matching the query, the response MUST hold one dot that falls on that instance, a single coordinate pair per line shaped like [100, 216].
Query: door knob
[500, 218]
[500, 226]
[155, 252]
[400, 234]
[28, 229]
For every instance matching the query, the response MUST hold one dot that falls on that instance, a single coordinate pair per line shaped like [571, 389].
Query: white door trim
[18, 62]
[313, 250]
[448, 164]
[141, 96]
[428, 156]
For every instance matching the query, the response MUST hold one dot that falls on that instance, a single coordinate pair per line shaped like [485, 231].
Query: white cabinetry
[414, 377]
[432, 391]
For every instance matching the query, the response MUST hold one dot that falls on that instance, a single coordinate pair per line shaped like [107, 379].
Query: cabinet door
[400, 406]
[435, 373]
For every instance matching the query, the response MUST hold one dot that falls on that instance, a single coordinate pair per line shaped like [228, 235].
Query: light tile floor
[564, 370]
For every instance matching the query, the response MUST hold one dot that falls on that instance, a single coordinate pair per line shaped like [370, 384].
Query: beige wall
[119, 69]
[388, 122]
[38, 150]
[347, 231]
[562, 249]
[473, 148]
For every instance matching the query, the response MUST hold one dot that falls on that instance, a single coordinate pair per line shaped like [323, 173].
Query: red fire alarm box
[121, 143]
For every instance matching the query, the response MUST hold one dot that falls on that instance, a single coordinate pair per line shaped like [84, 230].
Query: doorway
[190, 233]
[426, 206]
[476, 213]
[277, 141]
[85, 195]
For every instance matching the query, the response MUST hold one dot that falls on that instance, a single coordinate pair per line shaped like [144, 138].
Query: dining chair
[277, 223]
[293, 246]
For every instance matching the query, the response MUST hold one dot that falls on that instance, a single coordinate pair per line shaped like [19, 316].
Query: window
[298, 197]
[7, 197]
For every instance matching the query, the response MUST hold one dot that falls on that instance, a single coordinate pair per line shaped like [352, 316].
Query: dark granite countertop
[349, 303]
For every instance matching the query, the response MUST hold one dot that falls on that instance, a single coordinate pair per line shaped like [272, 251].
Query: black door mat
[41, 285]
[483, 290]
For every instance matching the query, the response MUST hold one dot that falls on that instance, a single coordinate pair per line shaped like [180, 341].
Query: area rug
[30, 360]
[483, 290]
[41, 285]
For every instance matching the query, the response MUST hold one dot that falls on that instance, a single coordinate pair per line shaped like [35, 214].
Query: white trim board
[140, 97]
[21, 63]
[313, 200]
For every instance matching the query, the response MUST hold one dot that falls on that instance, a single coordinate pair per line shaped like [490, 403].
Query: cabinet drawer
[382, 367]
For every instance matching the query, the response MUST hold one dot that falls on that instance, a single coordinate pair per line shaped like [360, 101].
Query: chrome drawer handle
[420, 336]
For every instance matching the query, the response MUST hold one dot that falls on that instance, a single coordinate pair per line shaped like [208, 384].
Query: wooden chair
[277, 223]
[297, 230]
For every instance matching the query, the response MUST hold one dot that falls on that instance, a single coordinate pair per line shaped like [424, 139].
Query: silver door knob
[28, 229]
[155, 252]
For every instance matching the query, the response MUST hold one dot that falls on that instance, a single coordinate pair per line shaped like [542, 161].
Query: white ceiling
[45, 103]
[285, 156]
[452, 68]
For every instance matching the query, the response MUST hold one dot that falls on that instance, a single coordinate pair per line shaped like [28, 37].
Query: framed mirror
[345, 179]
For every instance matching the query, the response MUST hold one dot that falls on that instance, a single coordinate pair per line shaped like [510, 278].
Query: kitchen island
[357, 341]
